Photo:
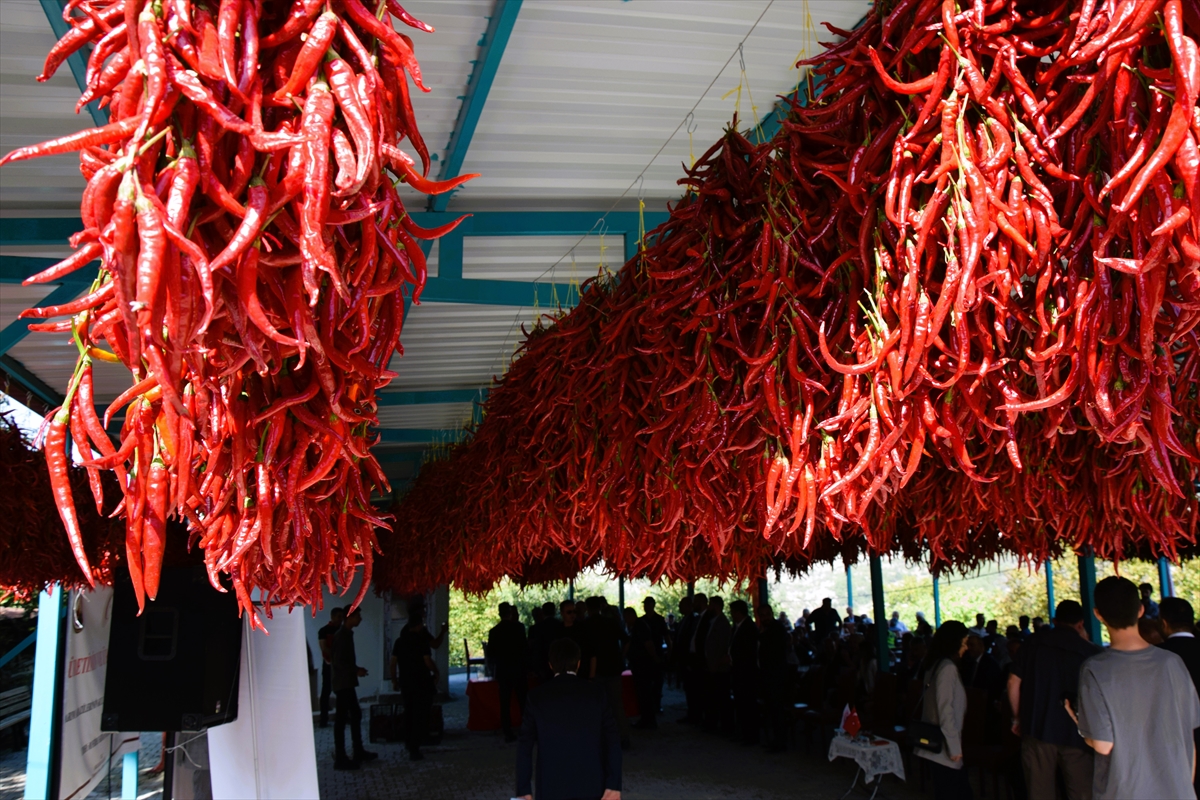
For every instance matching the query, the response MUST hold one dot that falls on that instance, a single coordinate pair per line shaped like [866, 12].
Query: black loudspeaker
[174, 668]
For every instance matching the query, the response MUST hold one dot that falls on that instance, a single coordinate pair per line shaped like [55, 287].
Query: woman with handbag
[938, 737]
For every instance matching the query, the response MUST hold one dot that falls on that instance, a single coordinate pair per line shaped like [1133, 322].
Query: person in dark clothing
[980, 670]
[645, 662]
[773, 644]
[603, 636]
[1045, 671]
[824, 621]
[1150, 608]
[718, 704]
[325, 641]
[346, 673]
[415, 674]
[694, 686]
[1023, 630]
[1179, 625]
[688, 617]
[506, 650]
[743, 672]
[570, 722]
[661, 637]
[544, 631]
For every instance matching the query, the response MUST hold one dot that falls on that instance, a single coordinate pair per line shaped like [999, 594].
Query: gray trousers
[1044, 761]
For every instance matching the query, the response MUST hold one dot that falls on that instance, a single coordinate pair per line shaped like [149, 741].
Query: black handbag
[923, 735]
[926, 736]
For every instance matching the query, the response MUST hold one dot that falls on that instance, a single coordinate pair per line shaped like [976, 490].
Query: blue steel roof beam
[16, 331]
[77, 61]
[491, 51]
[19, 373]
[385, 398]
[55, 231]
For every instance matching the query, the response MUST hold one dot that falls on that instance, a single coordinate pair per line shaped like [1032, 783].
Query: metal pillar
[762, 594]
[42, 759]
[129, 776]
[1165, 583]
[1087, 596]
[849, 588]
[937, 604]
[571, 590]
[691, 589]
[1050, 604]
[881, 628]
[621, 594]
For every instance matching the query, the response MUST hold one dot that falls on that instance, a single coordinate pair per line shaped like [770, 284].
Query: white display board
[87, 753]
[268, 752]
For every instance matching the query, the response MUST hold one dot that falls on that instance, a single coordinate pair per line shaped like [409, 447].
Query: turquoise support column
[1050, 604]
[129, 776]
[571, 590]
[937, 604]
[881, 628]
[849, 587]
[1087, 595]
[1166, 585]
[40, 763]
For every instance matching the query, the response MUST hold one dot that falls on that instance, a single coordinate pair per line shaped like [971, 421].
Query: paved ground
[672, 763]
[675, 762]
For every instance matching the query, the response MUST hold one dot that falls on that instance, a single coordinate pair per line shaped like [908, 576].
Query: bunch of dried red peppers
[949, 310]
[254, 255]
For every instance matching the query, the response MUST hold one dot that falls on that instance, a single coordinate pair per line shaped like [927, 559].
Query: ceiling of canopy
[560, 105]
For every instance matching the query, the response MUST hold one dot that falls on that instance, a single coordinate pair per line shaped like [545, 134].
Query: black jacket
[743, 651]
[1187, 648]
[507, 648]
[579, 748]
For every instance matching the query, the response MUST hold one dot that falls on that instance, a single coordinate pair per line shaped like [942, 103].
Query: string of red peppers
[34, 550]
[948, 311]
[255, 255]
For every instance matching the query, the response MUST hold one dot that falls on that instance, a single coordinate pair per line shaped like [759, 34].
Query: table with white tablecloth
[875, 757]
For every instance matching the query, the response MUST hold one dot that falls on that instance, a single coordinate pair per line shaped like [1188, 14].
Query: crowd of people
[1103, 722]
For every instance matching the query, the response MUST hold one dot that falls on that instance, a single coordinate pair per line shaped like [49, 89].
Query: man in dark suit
[743, 672]
[773, 645]
[506, 650]
[697, 664]
[688, 617]
[1178, 621]
[579, 748]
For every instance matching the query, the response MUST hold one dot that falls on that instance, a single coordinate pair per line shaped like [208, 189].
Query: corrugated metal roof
[586, 93]
[458, 346]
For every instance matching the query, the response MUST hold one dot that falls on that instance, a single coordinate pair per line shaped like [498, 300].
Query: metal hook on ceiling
[690, 123]
[641, 184]
[741, 57]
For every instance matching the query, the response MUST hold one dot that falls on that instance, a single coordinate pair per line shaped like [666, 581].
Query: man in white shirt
[980, 628]
[896, 626]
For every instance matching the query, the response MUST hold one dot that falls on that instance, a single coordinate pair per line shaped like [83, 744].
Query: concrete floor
[676, 762]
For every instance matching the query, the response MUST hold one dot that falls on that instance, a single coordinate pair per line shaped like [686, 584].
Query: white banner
[86, 752]
[268, 752]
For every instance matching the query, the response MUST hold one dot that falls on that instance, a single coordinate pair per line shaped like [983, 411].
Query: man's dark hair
[649, 602]
[1177, 612]
[826, 601]
[594, 605]
[416, 615]
[548, 609]
[739, 607]
[766, 610]
[1068, 613]
[565, 604]
[1023, 620]
[1117, 602]
[357, 611]
[718, 602]
[504, 607]
[699, 596]
[337, 611]
[1145, 587]
[992, 625]
[979, 619]
[564, 655]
